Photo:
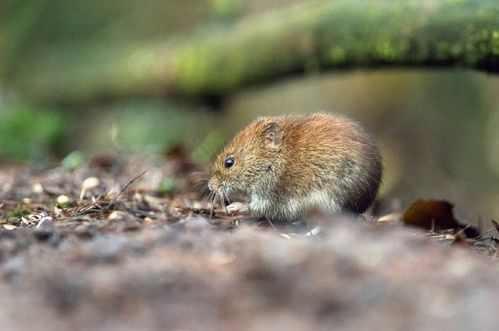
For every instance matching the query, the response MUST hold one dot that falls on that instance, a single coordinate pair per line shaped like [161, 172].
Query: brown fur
[286, 164]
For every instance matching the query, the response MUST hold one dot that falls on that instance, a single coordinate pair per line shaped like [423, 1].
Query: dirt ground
[110, 247]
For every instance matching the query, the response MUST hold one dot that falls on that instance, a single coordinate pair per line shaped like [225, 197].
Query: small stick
[113, 200]
[480, 236]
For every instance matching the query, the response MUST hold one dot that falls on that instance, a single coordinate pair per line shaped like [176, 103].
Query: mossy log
[309, 37]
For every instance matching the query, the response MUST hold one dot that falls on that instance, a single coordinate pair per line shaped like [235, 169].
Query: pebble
[37, 188]
[90, 183]
[45, 228]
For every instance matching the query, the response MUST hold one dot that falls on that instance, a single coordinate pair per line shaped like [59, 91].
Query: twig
[483, 234]
[113, 200]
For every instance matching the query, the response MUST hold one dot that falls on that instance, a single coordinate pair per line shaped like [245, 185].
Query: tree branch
[310, 37]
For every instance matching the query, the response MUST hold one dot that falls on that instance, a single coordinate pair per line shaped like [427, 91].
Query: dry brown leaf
[435, 215]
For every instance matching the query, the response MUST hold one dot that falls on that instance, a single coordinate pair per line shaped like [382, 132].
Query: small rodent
[289, 165]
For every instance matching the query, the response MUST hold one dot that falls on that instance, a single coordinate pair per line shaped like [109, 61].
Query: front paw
[237, 208]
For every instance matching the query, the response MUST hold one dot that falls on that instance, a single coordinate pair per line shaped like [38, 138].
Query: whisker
[198, 186]
[203, 173]
[203, 190]
[223, 204]
[211, 198]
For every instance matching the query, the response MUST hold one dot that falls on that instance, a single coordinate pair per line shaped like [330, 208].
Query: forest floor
[127, 245]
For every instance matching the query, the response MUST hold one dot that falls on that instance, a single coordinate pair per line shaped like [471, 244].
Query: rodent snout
[216, 187]
[212, 185]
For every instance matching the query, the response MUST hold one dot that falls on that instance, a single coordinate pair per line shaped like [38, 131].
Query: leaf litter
[106, 247]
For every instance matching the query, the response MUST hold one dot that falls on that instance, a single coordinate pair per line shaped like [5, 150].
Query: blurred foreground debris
[126, 256]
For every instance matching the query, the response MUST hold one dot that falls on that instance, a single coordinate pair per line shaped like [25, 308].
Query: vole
[289, 165]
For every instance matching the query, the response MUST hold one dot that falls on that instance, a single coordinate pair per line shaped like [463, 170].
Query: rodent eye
[229, 162]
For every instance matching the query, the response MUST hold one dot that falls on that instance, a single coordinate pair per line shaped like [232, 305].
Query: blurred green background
[438, 128]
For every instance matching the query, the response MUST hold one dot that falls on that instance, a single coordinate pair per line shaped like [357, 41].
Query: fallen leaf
[496, 225]
[435, 215]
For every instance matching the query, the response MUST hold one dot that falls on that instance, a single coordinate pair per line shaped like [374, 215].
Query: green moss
[14, 215]
[495, 43]
[191, 69]
[225, 8]
[338, 54]
[167, 186]
[28, 133]
[73, 160]
[313, 35]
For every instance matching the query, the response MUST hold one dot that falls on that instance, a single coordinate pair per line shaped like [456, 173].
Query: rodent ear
[272, 135]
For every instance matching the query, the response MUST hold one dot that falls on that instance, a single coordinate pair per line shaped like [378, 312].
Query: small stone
[90, 183]
[63, 200]
[45, 227]
[37, 188]
[9, 227]
[390, 218]
[117, 215]
[7, 187]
